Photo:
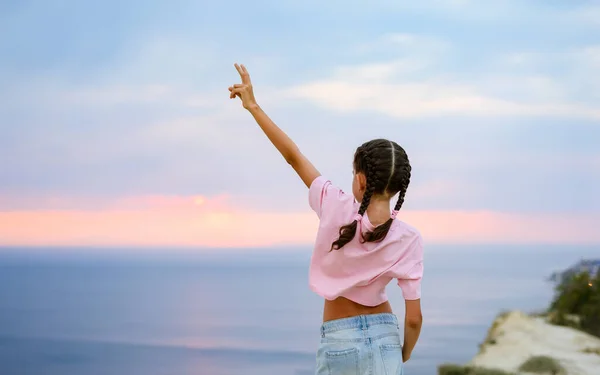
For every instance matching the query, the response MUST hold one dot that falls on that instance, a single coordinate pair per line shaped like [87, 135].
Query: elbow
[290, 159]
[414, 321]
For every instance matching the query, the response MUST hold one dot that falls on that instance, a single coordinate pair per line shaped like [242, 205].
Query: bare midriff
[341, 307]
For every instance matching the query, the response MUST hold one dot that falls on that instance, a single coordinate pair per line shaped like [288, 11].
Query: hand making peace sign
[243, 90]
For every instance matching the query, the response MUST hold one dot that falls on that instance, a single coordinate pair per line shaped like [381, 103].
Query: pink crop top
[360, 271]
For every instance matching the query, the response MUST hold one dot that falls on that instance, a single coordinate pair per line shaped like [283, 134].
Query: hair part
[387, 169]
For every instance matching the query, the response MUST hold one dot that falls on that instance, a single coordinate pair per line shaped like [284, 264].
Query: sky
[117, 128]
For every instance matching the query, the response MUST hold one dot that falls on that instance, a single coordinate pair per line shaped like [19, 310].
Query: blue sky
[497, 103]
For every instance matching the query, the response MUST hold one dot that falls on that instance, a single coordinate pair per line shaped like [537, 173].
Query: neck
[378, 210]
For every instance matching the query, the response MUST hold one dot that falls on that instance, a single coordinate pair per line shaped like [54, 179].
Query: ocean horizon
[232, 311]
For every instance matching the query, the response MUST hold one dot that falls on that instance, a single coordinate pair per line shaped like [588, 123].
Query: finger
[245, 72]
[240, 71]
[238, 85]
[236, 92]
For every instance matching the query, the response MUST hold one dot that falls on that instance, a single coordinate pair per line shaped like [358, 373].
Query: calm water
[228, 313]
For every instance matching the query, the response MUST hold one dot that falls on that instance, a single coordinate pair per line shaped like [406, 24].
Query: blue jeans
[360, 345]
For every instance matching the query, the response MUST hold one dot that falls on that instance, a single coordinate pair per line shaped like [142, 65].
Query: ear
[362, 181]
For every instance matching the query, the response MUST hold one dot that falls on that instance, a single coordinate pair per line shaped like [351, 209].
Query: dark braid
[371, 184]
[387, 170]
[347, 232]
[404, 187]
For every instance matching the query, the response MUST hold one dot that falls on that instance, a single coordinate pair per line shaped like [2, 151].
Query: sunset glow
[202, 222]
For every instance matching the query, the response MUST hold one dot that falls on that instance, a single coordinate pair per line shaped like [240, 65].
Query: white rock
[518, 337]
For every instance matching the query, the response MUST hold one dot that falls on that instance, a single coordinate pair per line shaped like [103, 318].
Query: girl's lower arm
[412, 330]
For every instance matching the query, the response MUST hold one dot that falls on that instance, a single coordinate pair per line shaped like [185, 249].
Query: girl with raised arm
[360, 247]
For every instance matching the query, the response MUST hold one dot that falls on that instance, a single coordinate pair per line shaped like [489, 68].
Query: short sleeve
[321, 190]
[411, 282]
[316, 194]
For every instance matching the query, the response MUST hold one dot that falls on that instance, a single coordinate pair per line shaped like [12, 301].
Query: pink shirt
[360, 271]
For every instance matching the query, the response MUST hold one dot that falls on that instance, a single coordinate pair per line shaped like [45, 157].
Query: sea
[233, 312]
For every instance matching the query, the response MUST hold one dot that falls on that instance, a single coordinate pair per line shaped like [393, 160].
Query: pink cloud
[496, 227]
[197, 221]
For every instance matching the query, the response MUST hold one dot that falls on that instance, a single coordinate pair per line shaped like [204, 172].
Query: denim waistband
[360, 321]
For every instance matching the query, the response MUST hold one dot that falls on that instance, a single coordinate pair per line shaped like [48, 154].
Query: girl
[360, 247]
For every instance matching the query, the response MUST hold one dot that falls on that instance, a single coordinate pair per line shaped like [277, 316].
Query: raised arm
[284, 144]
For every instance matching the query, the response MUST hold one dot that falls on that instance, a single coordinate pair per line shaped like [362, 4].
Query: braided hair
[387, 170]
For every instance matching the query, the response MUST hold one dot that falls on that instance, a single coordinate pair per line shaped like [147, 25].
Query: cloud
[195, 153]
[591, 54]
[413, 86]
[155, 221]
[425, 99]
[117, 95]
[589, 14]
[403, 43]
[197, 221]
[544, 16]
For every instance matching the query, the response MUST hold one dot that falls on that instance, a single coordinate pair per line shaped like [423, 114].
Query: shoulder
[407, 231]
[408, 238]
[324, 196]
